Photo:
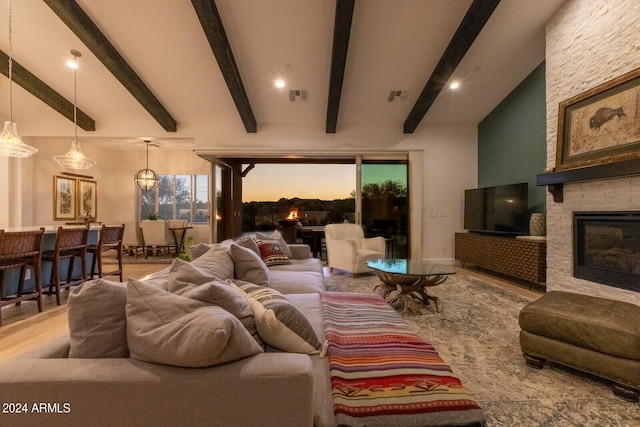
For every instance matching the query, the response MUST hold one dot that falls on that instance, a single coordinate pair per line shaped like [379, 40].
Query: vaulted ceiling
[179, 70]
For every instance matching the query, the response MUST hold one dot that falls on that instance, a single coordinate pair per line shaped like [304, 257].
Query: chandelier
[147, 179]
[11, 144]
[75, 159]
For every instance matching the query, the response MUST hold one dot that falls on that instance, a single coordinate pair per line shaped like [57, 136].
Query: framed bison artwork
[601, 125]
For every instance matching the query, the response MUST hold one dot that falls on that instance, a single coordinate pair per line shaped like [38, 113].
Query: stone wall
[587, 44]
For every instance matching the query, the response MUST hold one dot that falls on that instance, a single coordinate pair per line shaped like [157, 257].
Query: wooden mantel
[555, 180]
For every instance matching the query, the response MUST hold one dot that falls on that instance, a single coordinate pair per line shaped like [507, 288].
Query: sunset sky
[270, 182]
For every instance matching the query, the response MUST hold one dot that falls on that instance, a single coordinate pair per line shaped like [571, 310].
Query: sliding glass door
[384, 203]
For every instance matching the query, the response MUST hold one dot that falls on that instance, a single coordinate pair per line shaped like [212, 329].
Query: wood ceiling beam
[475, 19]
[214, 30]
[83, 27]
[341, 34]
[44, 92]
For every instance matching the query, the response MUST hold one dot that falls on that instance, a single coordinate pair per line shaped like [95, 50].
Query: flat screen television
[502, 209]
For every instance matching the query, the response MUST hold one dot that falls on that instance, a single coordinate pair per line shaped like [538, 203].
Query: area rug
[476, 333]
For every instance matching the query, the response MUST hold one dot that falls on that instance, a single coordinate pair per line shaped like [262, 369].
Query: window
[178, 197]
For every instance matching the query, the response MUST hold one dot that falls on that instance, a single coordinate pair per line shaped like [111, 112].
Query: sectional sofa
[137, 353]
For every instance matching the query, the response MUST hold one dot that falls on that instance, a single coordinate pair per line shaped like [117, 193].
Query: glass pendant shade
[75, 159]
[10, 143]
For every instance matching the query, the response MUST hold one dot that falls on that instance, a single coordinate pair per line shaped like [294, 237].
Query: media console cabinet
[521, 258]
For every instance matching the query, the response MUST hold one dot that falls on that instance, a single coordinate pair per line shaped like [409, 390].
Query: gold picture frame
[87, 201]
[601, 125]
[64, 197]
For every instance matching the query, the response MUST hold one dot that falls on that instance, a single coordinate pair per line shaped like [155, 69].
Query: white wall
[588, 43]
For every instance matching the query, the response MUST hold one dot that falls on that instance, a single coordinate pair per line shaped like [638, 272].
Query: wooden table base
[409, 289]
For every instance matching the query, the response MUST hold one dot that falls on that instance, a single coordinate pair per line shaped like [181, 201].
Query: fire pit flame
[291, 220]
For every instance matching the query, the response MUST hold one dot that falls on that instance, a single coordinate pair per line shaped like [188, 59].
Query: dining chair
[156, 236]
[71, 243]
[20, 250]
[110, 239]
[132, 240]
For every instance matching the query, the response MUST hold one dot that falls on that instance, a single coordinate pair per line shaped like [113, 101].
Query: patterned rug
[476, 334]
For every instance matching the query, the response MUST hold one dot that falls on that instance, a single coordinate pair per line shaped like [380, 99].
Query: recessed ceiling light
[454, 85]
[280, 83]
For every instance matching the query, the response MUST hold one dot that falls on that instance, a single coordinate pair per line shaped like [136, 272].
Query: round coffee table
[407, 280]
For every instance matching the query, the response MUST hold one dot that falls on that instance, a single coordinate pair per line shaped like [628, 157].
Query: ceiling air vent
[298, 95]
[398, 96]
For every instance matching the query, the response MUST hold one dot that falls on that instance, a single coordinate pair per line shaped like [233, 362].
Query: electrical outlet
[444, 249]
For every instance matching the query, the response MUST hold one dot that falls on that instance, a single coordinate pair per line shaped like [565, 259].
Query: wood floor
[23, 327]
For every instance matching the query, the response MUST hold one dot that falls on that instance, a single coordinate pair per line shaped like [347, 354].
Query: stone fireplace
[606, 248]
[587, 44]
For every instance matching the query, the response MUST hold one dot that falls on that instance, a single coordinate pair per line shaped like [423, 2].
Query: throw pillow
[249, 243]
[196, 251]
[272, 253]
[249, 266]
[217, 261]
[280, 324]
[96, 315]
[184, 276]
[173, 330]
[222, 295]
[276, 236]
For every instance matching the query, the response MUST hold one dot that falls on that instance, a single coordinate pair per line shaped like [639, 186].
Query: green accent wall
[512, 139]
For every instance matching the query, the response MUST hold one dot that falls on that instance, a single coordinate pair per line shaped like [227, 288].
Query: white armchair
[349, 250]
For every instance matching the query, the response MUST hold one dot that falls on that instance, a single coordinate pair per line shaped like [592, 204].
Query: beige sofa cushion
[249, 266]
[170, 329]
[280, 324]
[185, 275]
[296, 282]
[249, 243]
[217, 262]
[96, 320]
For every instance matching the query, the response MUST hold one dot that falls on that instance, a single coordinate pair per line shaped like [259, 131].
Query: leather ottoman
[595, 335]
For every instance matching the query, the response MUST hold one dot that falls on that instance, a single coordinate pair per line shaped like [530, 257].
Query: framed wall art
[87, 198]
[64, 197]
[601, 125]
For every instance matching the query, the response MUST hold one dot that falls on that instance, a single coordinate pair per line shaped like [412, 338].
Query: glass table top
[410, 267]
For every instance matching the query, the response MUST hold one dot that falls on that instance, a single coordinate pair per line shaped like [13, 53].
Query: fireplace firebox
[606, 248]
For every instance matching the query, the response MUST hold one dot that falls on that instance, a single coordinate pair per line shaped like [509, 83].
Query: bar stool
[110, 240]
[70, 243]
[20, 249]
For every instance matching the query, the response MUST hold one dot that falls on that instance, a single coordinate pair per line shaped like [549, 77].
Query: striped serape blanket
[383, 374]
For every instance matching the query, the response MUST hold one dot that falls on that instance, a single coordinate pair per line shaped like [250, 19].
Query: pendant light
[147, 179]
[11, 144]
[75, 159]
